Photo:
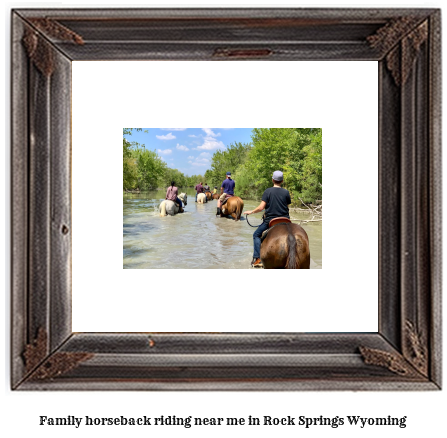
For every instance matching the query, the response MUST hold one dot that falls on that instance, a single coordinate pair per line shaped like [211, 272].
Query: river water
[197, 238]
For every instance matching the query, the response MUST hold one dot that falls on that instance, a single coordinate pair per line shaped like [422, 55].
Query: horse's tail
[240, 207]
[293, 246]
[163, 209]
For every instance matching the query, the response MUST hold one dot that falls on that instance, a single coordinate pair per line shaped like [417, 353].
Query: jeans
[179, 202]
[257, 239]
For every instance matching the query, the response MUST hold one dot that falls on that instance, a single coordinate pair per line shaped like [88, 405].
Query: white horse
[168, 207]
[201, 198]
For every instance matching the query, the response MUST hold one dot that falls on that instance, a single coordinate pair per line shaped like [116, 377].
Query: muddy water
[197, 238]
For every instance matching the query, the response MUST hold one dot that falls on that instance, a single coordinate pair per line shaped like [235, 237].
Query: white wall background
[20, 410]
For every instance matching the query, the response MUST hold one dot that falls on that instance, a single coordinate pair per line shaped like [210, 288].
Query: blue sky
[189, 149]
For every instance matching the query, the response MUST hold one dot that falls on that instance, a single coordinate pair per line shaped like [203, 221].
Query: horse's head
[183, 197]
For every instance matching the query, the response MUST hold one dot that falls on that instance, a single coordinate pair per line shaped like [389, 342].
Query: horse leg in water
[162, 209]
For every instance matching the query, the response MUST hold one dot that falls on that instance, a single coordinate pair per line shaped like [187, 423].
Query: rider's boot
[256, 263]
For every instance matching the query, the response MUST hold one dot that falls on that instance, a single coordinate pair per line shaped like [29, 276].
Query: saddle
[273, 223]
[278, 220]
[226, 199]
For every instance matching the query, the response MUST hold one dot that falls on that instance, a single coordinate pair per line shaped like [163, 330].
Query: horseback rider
[275, 201]
[215, 190]
[226, 190]
[172, 195]
[206, 187]
[199, 189]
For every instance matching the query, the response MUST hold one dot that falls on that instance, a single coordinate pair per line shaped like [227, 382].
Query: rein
[254, 226]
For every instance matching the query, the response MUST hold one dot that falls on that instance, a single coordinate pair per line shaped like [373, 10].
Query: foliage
[311, 175]
[297, 152]
[225, 161]
[130, 171]
[193, 180]
[270, 152]
[151, 168]
[180, 179]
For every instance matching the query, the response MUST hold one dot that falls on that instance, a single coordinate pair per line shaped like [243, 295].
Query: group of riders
[205, 189]
[275, 202]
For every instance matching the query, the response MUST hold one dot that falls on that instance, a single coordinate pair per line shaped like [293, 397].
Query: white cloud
[192, 135]
[201, 160]
[164, 151]
[166, 137]
[210, 143]
[181, 148]
[209, 132]
[173, 129]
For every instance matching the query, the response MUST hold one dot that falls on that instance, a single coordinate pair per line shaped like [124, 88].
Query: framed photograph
[405, 352]
[188, 175]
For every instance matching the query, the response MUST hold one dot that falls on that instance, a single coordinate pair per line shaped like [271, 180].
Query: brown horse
[216, 196]
[286, 246]
[233, 207]
[209, 196]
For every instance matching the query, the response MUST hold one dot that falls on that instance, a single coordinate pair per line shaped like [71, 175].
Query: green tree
[150, 168]
[142, 169]
[311, 174]
[297, 152]
[193, 180]
[129, 165]
[130, 173]
[270, 151]
[227, 160]
[174, 175]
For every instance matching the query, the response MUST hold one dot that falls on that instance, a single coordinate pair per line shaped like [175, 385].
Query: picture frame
[405, 353]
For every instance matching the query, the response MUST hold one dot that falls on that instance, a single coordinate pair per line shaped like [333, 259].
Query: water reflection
[196, 238]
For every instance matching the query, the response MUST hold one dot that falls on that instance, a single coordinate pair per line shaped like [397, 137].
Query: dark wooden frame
[405, 354]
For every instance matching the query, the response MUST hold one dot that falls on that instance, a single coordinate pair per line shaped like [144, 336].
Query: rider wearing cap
[226, 190]
[275, 201]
